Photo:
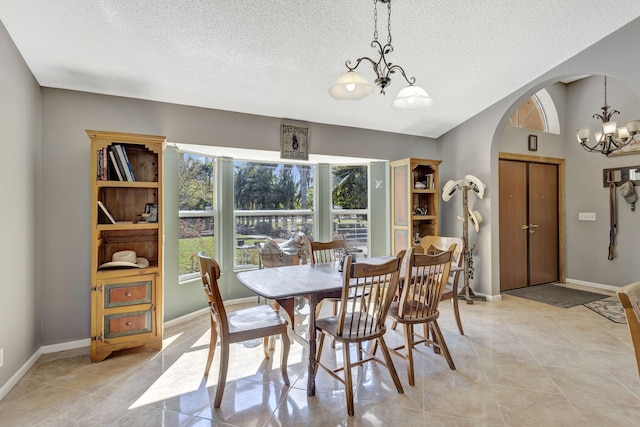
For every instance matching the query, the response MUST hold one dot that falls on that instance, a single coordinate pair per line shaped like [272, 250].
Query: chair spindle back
[426, 278]
[367, 293]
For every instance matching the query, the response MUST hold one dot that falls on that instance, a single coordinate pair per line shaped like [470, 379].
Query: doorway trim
[562, 253]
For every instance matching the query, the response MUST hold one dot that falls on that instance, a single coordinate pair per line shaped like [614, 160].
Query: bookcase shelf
[126, 302]
[126, 184]
[128, 226]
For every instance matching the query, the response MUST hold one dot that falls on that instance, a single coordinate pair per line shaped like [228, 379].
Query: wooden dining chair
[424, 283]
[236, 326]
[443, 243]
[329, 251]
[629, 297]
[333, 250]
[367, 292]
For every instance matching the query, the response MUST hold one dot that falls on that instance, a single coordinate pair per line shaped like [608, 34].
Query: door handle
[524, 227]
[531, 228]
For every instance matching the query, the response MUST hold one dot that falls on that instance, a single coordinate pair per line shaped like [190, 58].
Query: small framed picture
[150, 212]
[533, 142]
[294, 142]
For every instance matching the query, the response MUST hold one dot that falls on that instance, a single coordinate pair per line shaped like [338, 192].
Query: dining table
[315, 282]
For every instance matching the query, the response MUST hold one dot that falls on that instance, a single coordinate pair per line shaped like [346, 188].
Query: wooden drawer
[124, 294]
[124, 324]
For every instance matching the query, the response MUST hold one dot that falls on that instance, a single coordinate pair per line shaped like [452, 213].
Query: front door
[529, 233]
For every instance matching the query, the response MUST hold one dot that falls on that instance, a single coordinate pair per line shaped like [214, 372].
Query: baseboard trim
[64, 346]
[593, 285]
[491, 298]
[6, 387]
[185, 318]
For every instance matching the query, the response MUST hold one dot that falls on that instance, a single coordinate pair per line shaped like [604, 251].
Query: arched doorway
[531, 207]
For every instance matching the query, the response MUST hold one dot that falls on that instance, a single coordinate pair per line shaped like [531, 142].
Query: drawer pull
[128, 294]
[128, 323]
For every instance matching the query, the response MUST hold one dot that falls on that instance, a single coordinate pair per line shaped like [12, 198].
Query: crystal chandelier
[353, 86]
[609, 138]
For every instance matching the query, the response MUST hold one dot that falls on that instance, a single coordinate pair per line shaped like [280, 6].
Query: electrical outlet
[1, 357]
[586, 216]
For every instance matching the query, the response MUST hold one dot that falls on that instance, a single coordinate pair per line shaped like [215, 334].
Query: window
[232, 199]
[529, 115]
[196, 211]
[350, 203]
[270, 200]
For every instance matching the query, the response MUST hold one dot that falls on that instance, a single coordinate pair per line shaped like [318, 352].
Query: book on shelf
[127, 171]
[104, 209]
[127, 162]
[99, 173]
[103, 156]
[114, 162]
[102, 165]
[121, 166]
[429, 181]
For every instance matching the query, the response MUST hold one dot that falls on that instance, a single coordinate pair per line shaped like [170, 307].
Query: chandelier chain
[389, 22]
[375, 19]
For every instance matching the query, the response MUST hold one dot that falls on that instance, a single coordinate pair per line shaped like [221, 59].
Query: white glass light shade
[599, 137]
[583, 134]
[609, 128]
[633, 126]
[350, 85]
[412, 98]
[623, 133]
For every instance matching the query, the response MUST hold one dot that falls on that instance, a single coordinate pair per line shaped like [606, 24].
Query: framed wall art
[294, 142]
[533, 142]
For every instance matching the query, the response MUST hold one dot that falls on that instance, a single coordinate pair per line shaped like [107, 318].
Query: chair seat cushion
[410, 314]
[260, 316]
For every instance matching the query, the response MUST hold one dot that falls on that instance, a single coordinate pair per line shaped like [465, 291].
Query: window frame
[333, 211]
[213, 213]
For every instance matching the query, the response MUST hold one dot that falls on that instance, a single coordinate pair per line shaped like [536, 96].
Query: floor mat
[609, 308]
[556, 295]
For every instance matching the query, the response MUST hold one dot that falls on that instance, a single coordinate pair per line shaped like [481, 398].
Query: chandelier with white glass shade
[610, 137]
[352, 85]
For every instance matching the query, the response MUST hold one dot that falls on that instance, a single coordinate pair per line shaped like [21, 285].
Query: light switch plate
[586, 216]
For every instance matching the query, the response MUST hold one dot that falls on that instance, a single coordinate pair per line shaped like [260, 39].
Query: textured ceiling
[278, 58]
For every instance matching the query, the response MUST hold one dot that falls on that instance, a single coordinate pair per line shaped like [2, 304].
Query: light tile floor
[521, 363]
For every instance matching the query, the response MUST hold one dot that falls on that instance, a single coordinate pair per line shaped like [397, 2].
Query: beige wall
[20, 124]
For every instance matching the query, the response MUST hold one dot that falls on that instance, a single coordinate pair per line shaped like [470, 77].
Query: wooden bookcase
[415, 193]
[126, 303]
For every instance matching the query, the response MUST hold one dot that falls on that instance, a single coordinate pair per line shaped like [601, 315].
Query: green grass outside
[188, 251]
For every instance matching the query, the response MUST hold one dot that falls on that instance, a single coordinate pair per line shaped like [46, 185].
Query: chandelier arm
[393, 69]
[607, 145]
[592, 149]
[359, 60]
[621, 142]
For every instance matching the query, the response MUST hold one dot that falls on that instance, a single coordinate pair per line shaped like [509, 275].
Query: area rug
[609, 308]
[556, 295]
